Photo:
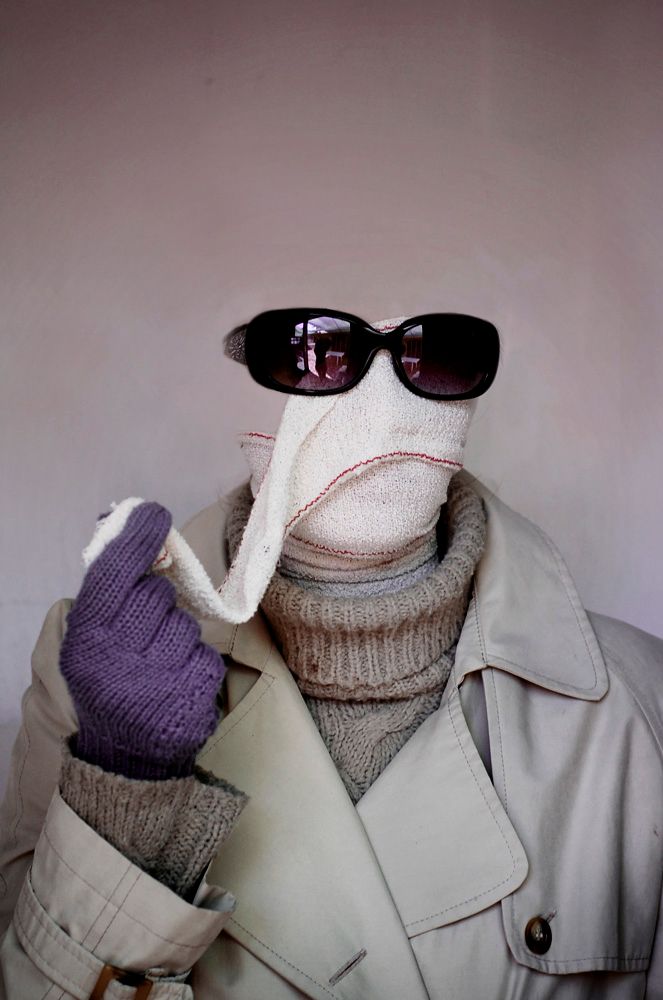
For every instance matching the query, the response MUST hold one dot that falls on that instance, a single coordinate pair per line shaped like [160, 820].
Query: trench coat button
[538, 936]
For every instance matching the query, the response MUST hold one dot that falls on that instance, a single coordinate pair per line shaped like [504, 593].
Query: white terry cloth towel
[313, 476]
[176, 560]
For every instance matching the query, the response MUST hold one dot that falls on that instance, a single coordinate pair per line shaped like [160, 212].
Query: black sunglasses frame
[257, 332]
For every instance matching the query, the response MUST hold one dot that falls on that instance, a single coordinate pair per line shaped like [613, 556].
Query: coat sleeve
[655, 971]
[637, 657]
[70, 903]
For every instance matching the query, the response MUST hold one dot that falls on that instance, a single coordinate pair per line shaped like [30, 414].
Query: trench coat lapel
[444, 840]
[442, 837]
[311, 897]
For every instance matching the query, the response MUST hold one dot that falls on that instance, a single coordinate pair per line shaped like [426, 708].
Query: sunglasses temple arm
[234, 344]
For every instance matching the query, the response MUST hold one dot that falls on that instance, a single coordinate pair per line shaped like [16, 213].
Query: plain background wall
[171, 168]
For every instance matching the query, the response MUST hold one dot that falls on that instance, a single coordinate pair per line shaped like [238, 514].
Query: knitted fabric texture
[373, 668]
[355, 581]
[171, 829]
[143, 684]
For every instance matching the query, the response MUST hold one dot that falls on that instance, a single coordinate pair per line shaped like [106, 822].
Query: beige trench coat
[535, 790]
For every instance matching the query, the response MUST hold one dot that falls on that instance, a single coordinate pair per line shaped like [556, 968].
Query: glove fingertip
[145, 532]
[124, 547]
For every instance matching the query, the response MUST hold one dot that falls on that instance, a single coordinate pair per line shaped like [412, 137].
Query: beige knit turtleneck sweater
[372, 668]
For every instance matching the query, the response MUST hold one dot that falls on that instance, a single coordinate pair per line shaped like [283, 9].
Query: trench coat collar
[526, 616]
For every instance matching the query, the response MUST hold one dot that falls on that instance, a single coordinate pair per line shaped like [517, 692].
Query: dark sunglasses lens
[313, 354]
[449, 355]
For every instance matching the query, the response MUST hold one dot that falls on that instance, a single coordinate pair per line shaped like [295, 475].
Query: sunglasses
[320, 352]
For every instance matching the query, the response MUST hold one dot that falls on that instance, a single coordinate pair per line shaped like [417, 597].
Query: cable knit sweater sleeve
[170, 828]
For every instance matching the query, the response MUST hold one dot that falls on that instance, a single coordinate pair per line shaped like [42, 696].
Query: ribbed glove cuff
[94, 747]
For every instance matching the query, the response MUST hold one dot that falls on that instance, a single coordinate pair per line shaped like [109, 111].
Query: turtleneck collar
[383, 646]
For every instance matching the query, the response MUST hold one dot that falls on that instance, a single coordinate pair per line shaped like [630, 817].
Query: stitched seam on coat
[512, 902]
[104, 909]
[19, 813]
[506, 796]
[50, 987]
[118, 910]
[477, 624]
[561, 568]
[529, 672]
[499, 739]
[497, 885]
[639, 700]
[222, 736]
[50, 970]
[233, 637]
[129, 916]
[271, 950]
[66, 944]
[597, 958]
[83, 957]
[268, 656]
[77, 874]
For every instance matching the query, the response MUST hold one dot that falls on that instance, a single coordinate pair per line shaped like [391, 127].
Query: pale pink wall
[171, 168]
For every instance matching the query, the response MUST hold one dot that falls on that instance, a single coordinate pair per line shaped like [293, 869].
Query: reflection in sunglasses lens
[444, 356]
[315, 353]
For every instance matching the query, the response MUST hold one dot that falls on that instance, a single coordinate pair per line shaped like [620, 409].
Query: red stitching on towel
[349, 552]
[368, 461]
[165, 555]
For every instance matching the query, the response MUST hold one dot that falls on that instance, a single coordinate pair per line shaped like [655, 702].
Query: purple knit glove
[143, 684]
